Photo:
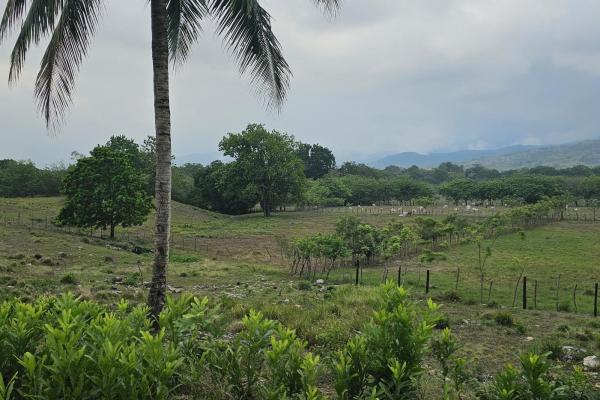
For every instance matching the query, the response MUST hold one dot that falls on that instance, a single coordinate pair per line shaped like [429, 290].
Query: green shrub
[503, 318]
[68, 279]
[65, 347]
[520, 328]
[264, 360]
[387, 356]
[534, 382]
[304, 285]
[134, 279]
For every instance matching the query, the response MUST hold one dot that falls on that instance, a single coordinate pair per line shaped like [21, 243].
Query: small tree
[105, 190]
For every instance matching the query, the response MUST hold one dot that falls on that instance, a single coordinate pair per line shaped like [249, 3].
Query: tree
[318, 160]
[218, 187]
[105, 190]
[175, 26]
[267, 162]
[458, 190]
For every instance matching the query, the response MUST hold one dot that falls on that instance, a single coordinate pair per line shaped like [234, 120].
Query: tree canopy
[266, 162]
[105, 190]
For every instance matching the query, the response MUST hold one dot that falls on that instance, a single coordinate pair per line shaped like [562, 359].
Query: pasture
[237, 261]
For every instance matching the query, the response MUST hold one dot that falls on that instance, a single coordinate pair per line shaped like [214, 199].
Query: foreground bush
[64, 348]
[67, 348]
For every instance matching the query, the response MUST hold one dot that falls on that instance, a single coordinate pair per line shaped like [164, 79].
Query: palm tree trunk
[162, 122]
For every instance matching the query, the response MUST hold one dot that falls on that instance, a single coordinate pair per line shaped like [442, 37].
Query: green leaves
[105, 190]
[387, 356]
[80, 350]
[266, 162]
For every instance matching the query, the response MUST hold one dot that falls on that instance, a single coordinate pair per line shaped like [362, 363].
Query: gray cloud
[383, 76]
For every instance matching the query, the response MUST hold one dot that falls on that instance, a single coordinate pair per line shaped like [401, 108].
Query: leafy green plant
[68, 279]
[264, 360]
[7, 389]
[389, 355]
[65, 347]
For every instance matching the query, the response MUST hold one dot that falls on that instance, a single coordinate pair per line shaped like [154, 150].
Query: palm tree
[175, 24]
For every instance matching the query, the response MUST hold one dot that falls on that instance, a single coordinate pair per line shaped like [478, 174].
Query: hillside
[408, 159]
[559, 156]
[513, 157]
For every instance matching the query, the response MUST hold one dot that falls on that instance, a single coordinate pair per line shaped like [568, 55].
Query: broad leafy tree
[67, 27]
[267, 163]
[318, 160]
[104, 191]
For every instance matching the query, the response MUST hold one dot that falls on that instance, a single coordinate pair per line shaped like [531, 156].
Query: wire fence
[537, 291]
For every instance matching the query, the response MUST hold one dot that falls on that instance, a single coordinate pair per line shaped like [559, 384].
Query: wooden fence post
[596, 299]
[524, 293]
[427, 283]
[575, 297]
[457, 277]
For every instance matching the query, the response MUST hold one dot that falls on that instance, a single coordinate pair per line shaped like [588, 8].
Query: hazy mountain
[408, 159]
[559, 156]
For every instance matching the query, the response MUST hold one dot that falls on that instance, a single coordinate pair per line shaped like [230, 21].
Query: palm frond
[184, 26]
[330, 6]
[246, 30]
[38, 23]
[64, 54]
[13, 14]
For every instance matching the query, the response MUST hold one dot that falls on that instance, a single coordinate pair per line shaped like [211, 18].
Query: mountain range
[512, 157]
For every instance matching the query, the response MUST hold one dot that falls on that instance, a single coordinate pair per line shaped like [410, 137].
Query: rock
[319, 282]
[37, 256]
[529, 338]
[174, 289]
[117, 279]
[571, 353]
[591, 362]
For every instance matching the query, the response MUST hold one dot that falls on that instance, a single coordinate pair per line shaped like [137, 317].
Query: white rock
[319, 281]
[591, 362]
[529, 338]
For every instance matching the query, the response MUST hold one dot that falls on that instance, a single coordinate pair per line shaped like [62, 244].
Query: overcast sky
[384, 76]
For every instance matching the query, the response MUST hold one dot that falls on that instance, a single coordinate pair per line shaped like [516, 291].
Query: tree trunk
[112, 230]
[162, 122]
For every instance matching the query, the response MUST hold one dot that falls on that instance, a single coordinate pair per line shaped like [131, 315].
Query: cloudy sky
[383, 76]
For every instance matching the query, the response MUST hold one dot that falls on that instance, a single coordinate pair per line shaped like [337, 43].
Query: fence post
[524, 293]
[596, 299]
[427, 283]
[575, 297]
[357, 270]
[400, 276]
[457, 277]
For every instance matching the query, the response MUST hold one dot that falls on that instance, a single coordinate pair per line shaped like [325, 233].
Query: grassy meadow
[237, 262]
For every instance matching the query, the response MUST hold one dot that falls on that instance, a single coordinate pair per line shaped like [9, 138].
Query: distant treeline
[23, 178]
[273, 170]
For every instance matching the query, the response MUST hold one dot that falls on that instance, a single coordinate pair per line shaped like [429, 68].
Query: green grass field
[237, 263]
